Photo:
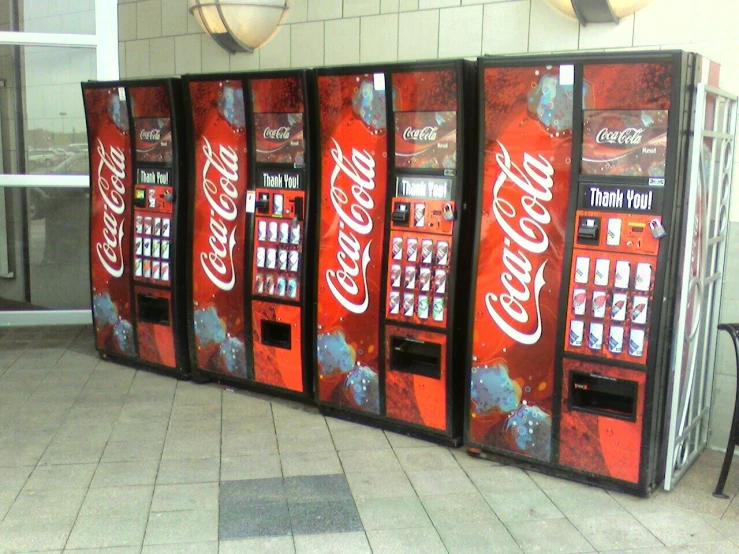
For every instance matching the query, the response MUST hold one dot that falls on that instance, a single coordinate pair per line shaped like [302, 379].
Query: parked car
[41, 200]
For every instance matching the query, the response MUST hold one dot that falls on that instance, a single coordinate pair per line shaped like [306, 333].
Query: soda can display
[147, 269]
[408, 304]
[165, 249]
[147, 225]
[138, 267]
[395, 273]
[397, 253]
[284, 232]
[613, 233]
[165, 226]
[639, 309]
[577, 328]
[578, 301]
[155, 248]
[139, 224]
[424, 279]
[282, 260]
[165, 271]
[393, 303]
[410, 277]
[602, 269]
[623, 275]
[643, 279]
[636, 343]
[411, 250]
[582, 269]
[259, 283]
[152, 194]
[437, 310]
[295, 233]
[423, 307]
[616, 339]
[595, 338]
[139, 249]
[292, 288]
[271, 258]
[157, 226]
[281, 286]
[260, 256]
[599, 304]
[440, 281]
[272, 231]
[269, 284]
[262, 230]
[419, 215]
[293, 261]
[427, 251]
[155, 270]
[442, 252]
[618, 307]
[278, 202]
[147, 247]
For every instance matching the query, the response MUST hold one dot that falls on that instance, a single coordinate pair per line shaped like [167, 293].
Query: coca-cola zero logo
[424, 134]
[631, 136]
[353, 178]
[219, 175]
[151, 135]
[521, 213]
[111, 178]
[277, 133]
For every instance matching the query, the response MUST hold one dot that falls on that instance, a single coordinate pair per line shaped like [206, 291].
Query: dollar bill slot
[601, 395]
[276, 334]
[588, 230]
[414, 356]
[401, 213]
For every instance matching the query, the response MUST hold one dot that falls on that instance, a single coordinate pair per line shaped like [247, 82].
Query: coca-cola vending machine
[582, 176]
[250, 216]
[136, 255]
[393, 202]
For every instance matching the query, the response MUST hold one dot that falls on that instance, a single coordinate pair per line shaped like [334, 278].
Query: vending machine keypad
[152, 234]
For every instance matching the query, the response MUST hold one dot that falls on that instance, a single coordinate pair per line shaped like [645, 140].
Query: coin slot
[605, 396]
[414, 356]
[153, 309]
[276, 334]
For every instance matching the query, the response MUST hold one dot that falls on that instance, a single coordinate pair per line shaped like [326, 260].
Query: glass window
[58, 16]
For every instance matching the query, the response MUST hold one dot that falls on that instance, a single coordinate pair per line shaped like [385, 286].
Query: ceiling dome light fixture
[598, 11]
[239, 25]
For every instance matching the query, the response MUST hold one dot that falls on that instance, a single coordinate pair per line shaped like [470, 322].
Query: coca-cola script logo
[424, 134]
[521, 213]
[220, 173]
[279, 133]
[151, 135]
[111, 176]
[631, 136]
[352, 182]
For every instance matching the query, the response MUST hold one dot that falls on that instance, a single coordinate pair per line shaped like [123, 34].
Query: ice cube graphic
[551, 103]
[363, 387]
[492, 390]
[233, 357]
[530, 428]
[117, 112]
[231, 106]
[370, 105]
[209, 328]
[334, 354]
[123, 333]
[104, 310]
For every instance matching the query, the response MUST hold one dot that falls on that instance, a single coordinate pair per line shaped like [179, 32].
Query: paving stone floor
[99, 458]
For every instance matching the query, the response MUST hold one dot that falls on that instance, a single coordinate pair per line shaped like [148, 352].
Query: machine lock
[169, 196]
[401, 213]
[658, 230]
[449, 214]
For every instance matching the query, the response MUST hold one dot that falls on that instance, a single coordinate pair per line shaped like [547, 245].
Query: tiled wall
[159, 37]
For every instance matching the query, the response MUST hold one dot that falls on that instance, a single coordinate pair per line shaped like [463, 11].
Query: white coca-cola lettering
[111, 179]
[151, 135]
[524, 224]
[424, 134]
[279, 133]
[631, 136]
[355, 222]
[221, 193]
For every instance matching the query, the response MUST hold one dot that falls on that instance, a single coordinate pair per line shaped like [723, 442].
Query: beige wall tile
[550, 30]
[126, 22]
[722, 409]
[324, 9]
[430, 4]
[407, 5]
[188, 54]
[306, 44]
[174, 17]
[617, 35]
[460, 32]
[213, 57]
[663, 22]
[418, 35]
[161, 52]
[276, 53]
[506, 27]
[379, 38]
[137, 58]
[354, 8]
[149, 19]
[342, 41]
[298, 11]
[244, 62]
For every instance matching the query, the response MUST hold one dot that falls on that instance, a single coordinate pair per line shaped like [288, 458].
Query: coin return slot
[413, 356]
[604, 396]
[276, 334]
[153, 309]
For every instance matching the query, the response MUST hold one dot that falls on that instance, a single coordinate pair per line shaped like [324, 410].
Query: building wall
[159, 37]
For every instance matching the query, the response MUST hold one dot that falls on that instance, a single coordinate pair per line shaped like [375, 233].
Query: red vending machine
[390, 240]
[582, 179]
[250, 317]
[136, 255]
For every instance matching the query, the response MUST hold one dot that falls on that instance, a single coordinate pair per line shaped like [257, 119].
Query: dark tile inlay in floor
[259, 507]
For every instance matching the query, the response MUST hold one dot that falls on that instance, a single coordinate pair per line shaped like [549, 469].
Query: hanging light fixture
[598, 11]
[239, 25]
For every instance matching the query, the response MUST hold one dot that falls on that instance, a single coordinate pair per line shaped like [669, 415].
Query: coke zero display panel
[392, 184]
[582, 170]
[136, 254]
[250, 215]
